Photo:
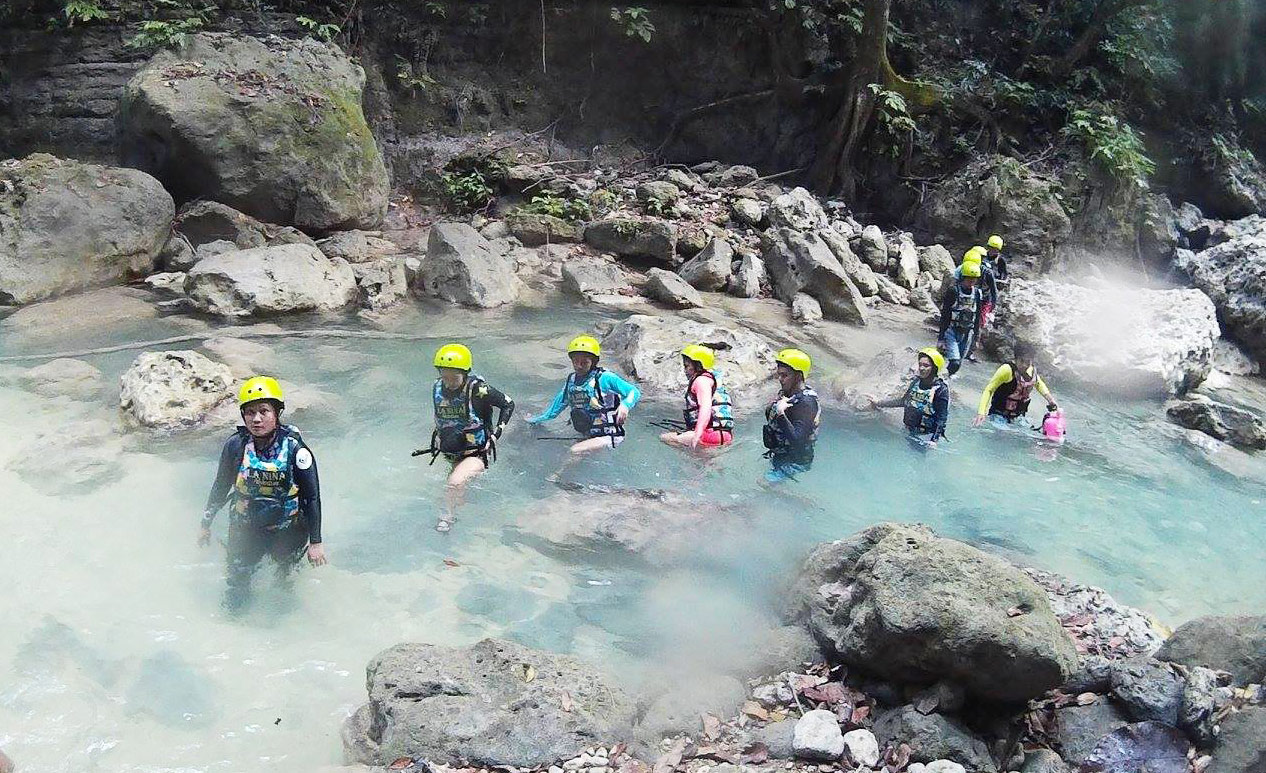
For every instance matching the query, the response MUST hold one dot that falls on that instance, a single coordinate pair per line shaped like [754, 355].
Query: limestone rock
[205, 223]
[356, 246]
[710, 269]
[63, 377]
[818, 737]
[748, 279]
[175, 389]
[271, 280]
[805, 309]
[244, 358]
[1233, 274]
[651, 240]
[933, 737]
[872, 248]
[1148, 689]
[1161, 345]
[1236, 644]
[66, 225]
[1044, 761]
[906, 266]
[937, 261]
[382, 283]
[1225, 422]
[649, 349]
[1229, 358]
[658, 197]
[475, 705]
[908, 606]
[778, 737]
[588, 279]
[799, 210]
[677, 710]
[271, 127]
[861, 274]
[802, 262]
[88, 458]
[863, 748]
[671, 290]
[737, 175]
[536, 229]
[462, 267]
[747, 212]
[891, 292]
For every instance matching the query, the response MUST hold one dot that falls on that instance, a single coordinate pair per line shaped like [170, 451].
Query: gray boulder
[818, 737]
[658, 197]
[749, 278]
[1241, 746]
[671, 290]
[873, 248]
[462, 267]
[737, 175]
[494, 703]
[805, 309]
[382, 283]
[173, 390]
[778, 737]
[1078, 729]
[649, 349]
[933, 737]
[1225, 176]
[1233, 274]
[710, 269]
[891, 292]
[356, 246]
[270, 280]
[204, 223]
[1148, 689]
[802, 262]
[1206, 693]
[1235, 644]
[908, 606]
[63, 377]
[271, 127]
[678, 709]
[588, 279]
[906, 265]
[89, 456]
[1044, 761]
[798, 210]
[1225, 422]
[536, 229]
[651, 240]
[937, 261]
[747, 212]
[1162, 340]
[67, 226]
[861, 274]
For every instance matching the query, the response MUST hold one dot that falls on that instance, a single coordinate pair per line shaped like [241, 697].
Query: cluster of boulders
[935, 658]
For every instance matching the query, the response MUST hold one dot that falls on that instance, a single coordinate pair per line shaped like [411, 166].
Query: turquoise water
[114, 655]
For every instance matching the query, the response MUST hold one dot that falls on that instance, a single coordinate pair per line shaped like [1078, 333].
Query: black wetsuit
[791, 435]
[274, 512]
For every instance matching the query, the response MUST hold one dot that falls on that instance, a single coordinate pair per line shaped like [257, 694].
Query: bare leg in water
[463, 473]
[579, 450]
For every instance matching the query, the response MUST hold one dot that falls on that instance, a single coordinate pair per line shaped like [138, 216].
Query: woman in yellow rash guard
[1007, 393]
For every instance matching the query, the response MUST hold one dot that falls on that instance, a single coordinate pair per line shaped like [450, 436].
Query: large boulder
[1227, 643]
[173, 390]
[906, 263]
[671, 290]
[1225, 177]
[1241, 746]
[272, 127]
[590, 279]
[908, 606]
[933, 737]
[999, 194]
[535, 229]
[748, 280]
[63, 377]
[1161, 341]
[462, 267]
[204, 223]
[271, 280]
[862, 275]
[494, 704]
[67, 226]
[382, 283]
[798, 210]
[649, 349]
[650, 240]
[88, 457]
[1233, 274]
[802, 262]
[1225, 422]
[710, 269]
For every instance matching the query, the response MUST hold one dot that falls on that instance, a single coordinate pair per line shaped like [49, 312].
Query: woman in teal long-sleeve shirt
[600, 401]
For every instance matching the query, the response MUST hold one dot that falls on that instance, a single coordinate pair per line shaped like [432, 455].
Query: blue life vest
[920, 411]
[722, 405]
[265, 494]
[592, 412]
[459, 429]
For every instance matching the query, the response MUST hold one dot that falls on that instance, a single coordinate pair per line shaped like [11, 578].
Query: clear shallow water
[114, 655]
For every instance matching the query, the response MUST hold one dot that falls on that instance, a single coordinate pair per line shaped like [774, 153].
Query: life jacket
[776, 439]
[458, 429]
[920, 410]
[722, 406]
[1011, 400]
[592, 412]
[265, 495]
[966, 307]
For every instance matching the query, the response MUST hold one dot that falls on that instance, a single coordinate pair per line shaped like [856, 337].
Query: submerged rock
[173, 692]
[1161, 341]
[649, 349]
[63, 377]
[1236, 644]
[273, 128]
[494, 703]
[66, 225]
[1218, 420]
[908, 606]
[88, 457]
[271, 280]
[462, 267]
[677, 709]
[172, 390]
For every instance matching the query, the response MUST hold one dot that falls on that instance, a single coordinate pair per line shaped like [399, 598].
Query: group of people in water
[268, 475]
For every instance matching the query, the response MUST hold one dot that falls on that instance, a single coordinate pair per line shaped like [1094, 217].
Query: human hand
[781, 406]
[871, 402]
[978, 419]
[621, 415]
[204, 537]
[316, 555]
[694, 440]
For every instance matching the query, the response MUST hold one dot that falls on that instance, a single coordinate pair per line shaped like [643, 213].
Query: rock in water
[1233, 274]
[172, 692]
[671, 290]
[649, 349]
[67, 226]
[171, 390]
[462, 267]
[63, 377]
[1161, 341]
[802, 262]
[271, 127]
[908, 606]
[271, 280]
[1219, 420]
[1233, 644]
[818, 737]
[495, 703]
[87, 458]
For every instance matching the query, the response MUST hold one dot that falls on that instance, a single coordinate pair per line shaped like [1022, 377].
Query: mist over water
[114, 654]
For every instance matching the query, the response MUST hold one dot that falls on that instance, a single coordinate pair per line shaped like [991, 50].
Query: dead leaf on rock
[754, 754]
[529, 673]
[711, 726]
[669, 760]
[859, 714]
[830, 692]
[755, 711]
[401, 763]
[1086, 698]
[1015, 611]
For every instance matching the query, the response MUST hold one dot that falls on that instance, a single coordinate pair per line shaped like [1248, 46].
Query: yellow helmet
[700, 354]
[794, 359]
[586, 345]
[934, 354]
[453, 356]
[995, 242]
[974, 254]
[971, 268]
[260, 388]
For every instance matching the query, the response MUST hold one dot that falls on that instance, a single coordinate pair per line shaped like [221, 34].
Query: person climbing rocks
[994, 259]
[465, 433]
[1006, 396]
[960, 315]
[989, 292]
[926, 400]
[709, 413]
[268, 476]
[792, 420]
[599, 400]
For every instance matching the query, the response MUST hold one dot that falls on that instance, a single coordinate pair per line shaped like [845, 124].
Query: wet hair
[1025, 352]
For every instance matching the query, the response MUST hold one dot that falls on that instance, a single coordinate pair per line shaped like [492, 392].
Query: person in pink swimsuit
[708, 415]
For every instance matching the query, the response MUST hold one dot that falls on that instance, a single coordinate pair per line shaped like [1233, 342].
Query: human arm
[1000, 376]
[1045, 391]
[940, 413]
[308, 482]
[702, 389]
[947, 312]
[555, 408]
[629, 394]
[797, 422]
[225, 475]
[991, 287]
[485, 399]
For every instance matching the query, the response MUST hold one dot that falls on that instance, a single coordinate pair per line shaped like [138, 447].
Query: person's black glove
[1051, 407]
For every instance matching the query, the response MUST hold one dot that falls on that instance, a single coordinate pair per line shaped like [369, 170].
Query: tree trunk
[1103, 14]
